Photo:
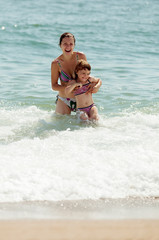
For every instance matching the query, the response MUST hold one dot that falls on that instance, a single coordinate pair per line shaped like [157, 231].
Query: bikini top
[64, 77]
[83, 89]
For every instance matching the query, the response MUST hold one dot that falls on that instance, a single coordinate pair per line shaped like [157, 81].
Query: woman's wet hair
[66, 34]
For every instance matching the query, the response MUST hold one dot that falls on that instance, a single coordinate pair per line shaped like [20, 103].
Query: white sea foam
[48, 157]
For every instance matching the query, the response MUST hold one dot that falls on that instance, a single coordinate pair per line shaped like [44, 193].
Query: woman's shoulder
[55, 64]
[57, 60]
[81, 55]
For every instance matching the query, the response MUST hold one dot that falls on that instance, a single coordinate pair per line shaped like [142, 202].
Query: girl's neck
[79, 81]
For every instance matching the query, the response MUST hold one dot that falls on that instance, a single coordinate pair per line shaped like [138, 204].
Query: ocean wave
[49, 157]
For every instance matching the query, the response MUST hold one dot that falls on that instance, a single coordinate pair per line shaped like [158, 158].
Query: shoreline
[102, 209]
[104, 219]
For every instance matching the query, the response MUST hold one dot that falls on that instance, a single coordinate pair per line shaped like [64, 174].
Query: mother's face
[67, 45]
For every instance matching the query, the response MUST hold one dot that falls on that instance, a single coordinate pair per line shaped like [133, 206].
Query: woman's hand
[72, 86]
[79, 85]
[95, 85]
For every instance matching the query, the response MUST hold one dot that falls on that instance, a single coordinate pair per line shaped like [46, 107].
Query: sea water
[44, 156]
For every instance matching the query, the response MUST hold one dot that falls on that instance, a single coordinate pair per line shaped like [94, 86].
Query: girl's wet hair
[66, 34]
[82, 64]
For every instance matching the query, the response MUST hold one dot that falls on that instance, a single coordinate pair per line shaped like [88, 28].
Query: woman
[63, 67]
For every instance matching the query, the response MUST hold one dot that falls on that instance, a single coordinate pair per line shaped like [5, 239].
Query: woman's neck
[67, 57]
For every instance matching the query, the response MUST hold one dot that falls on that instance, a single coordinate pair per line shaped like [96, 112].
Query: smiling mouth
[67, 50]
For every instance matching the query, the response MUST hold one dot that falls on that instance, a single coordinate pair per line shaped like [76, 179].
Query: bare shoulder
[54, 63]
[81, 55]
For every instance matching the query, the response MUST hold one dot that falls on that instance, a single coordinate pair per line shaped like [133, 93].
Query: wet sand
[134, 219]
[79, 229]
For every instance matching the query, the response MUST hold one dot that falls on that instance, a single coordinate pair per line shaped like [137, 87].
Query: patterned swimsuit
[83, 90]
[70, 102]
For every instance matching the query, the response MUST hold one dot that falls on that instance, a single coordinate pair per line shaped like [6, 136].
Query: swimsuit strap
[59, 64]
[63, 76]
[77, 57]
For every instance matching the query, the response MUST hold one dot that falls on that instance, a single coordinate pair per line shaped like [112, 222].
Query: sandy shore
[131, 219]
[79, 230]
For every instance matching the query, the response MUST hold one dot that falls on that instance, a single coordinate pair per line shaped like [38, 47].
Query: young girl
[81, 88]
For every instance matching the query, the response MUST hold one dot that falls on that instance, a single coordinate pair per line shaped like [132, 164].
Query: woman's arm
[96, 83]
[54, 77]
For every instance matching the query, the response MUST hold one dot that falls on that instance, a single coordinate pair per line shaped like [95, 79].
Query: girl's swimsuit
[83, 90]
[87, 109]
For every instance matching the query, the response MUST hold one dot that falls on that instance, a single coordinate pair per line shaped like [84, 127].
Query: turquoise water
[120, 40]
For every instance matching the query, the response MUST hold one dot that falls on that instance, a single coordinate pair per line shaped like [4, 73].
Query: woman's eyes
[65, 44]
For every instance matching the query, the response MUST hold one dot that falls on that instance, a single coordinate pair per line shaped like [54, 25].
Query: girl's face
[67, 45]
[83, 74]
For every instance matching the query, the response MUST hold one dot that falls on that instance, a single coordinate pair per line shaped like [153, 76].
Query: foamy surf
[48, 157]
